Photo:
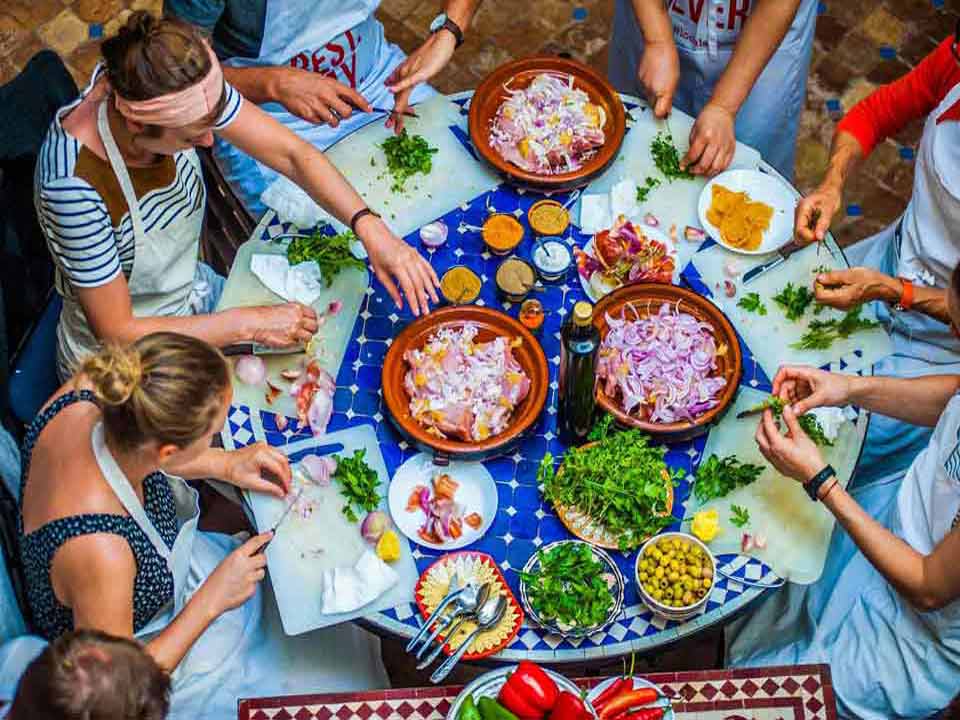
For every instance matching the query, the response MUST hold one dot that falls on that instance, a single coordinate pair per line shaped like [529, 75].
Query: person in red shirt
[907, 266]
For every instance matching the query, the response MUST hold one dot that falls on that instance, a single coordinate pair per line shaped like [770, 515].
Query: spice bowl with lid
[552, 259]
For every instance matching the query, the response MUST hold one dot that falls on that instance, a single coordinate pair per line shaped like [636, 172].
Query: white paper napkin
[347, 588]
[600, 210]
[298, 283]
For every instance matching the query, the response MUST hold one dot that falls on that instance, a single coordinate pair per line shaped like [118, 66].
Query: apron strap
[121, 487]
[120, 170]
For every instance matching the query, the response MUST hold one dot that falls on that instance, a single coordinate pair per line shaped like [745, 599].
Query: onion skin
[250, 370]
[321, 469]
[374, 525]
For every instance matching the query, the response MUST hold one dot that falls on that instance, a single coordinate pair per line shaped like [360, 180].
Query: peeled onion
[375, 524]
[434, 234]
[251, 370]
[321, 469]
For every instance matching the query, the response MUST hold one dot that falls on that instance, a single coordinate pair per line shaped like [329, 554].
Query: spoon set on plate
[470, 602]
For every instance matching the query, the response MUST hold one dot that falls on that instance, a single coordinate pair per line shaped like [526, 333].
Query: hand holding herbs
[620, 482]
[718, 477]
[570, 587]
[359, 484]
[667, 158]
[407, 155]
[794, 300]
[331, 253]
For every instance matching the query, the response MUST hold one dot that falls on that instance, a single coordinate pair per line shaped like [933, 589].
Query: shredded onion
[662, 367]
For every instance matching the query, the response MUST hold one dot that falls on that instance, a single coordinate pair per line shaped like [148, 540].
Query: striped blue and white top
[91, 236]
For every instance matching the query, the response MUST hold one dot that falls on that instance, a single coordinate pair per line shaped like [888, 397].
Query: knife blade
[783, 255]
[258, 349]
[276, 525]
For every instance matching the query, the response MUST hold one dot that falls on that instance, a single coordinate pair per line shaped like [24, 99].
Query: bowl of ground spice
[460, 285]
[515, 279]
[502, 232]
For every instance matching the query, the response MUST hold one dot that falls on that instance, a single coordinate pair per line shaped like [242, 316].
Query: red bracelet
[906, 295]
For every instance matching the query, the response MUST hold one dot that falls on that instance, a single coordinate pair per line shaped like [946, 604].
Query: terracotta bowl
[491, 94]
[646, 298]
[490, 324]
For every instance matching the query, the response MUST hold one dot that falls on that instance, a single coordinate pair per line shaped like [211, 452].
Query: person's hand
[806, 388]
[259, 468]
[845, 289]
[794, 454]
[396, 263]
[235, 579]
[317, 98]
[284, 325]
[420, 65]
[658, 74]
[712, 142]
[815, 212]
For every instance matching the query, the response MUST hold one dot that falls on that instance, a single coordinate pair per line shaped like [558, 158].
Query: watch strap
[454, 29]
[817, 481]
[906, 295]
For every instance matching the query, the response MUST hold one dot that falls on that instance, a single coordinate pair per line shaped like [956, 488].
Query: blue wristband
[817, 481]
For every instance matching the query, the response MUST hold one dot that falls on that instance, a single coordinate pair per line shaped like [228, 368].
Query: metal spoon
[489, 615]
[481, 599]
[453, 591]
[464, 603]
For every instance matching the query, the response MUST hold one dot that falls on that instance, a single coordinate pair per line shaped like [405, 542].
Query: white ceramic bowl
[489, 684]
[678, 614]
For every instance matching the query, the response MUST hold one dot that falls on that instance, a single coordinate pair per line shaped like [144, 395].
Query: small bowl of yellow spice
[460, 285]
[501, 232]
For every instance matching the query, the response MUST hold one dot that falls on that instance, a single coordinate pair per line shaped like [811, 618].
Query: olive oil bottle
[576, 402]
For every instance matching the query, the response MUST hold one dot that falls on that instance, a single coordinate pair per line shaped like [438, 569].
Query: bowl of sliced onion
[548, 123]
[669, 361]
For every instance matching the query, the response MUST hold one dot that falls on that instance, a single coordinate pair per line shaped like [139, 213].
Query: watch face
[438, 22]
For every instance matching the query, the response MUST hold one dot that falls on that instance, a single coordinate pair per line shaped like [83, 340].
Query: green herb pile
[808, 422]
[740, 516]
[407, 155]
[667, 158]
[649, 185]
[823, 333]
[331, 252]
[718, 477]
[358, 484]
[619, 482]
[794, 301]
[751, 302]
[568, 587]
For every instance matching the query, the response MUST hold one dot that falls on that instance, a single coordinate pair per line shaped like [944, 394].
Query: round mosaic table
[524, 520]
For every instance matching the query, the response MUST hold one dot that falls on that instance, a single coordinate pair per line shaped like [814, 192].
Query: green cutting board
[243, 289]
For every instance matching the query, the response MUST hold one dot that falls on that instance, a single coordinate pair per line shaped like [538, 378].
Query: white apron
[164, 263]
[244, 652]
[888, 660]
[336, 38]
[705, 33]
[923, 246]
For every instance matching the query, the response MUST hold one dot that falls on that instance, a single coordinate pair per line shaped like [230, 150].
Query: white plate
[638, 683]
[649, 231]
[764, 188]
[477, 493]
[490, 683]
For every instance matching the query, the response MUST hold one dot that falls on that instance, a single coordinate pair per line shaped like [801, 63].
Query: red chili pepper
[645, 714]
[529, 692]
[611, 691]
[628, 700]
[569, 707]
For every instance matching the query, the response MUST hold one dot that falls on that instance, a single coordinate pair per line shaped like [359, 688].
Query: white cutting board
[758, 331]
[797, 530]
[672, 203]
[243, 289]
[304, 548]
[454, 179]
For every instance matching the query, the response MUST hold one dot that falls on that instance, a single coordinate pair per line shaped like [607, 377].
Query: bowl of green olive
[675, 574]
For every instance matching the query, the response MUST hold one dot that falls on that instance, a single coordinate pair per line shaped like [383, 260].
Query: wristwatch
[442, 22]
[815, 483]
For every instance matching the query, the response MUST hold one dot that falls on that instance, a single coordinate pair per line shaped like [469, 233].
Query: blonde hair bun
[115, 373]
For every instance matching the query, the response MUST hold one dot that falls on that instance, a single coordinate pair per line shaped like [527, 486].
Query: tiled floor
[860, 44]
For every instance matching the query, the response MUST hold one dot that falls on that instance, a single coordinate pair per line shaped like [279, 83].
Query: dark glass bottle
[579, 344]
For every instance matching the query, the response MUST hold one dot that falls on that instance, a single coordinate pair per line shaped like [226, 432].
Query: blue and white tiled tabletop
[524, 520]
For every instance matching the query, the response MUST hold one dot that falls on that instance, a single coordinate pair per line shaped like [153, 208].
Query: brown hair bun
[115, 373]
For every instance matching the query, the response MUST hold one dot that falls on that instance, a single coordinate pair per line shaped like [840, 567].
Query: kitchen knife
[258, 349]
[283, 517]
[782, 255]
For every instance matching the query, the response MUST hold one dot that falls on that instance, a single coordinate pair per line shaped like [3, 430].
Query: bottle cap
[582, 313]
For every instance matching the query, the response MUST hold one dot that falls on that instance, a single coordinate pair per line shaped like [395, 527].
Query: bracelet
[358, 215]
[906, 295]
[813, 486]
[829, 485]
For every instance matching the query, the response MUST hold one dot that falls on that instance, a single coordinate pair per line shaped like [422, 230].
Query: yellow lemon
[388, 547]
[706, 525]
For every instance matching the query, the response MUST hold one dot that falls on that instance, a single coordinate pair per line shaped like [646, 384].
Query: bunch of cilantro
[359, 484]
[620, 482]
[568, 587]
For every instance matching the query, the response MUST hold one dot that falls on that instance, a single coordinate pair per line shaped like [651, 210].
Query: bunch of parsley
[823, 333]
[358, 484]
[807, 422]
[794, 300]
[718, 477]
[568, 587]
[751, 302]
[620, 482]
[331, 252]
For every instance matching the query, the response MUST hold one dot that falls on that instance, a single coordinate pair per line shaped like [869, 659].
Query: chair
[33, 378]
[227, 224]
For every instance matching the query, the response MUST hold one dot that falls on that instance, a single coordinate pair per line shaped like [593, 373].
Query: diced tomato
[413, 502]
[474, 520]
[445, 486]
[428, 536]
[456, 529]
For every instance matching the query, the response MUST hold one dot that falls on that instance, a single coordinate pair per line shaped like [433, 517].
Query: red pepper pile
[620, 701]
[531, 694]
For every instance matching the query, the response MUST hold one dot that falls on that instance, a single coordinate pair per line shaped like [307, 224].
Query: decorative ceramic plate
[434, 585]
[616, 592]
[653, 233]
[489, 684]
[638, 683]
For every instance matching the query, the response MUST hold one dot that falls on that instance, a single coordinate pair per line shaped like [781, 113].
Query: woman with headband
[120, 197]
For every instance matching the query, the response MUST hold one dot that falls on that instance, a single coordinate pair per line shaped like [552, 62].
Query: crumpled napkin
[599, 210]
[345, 589]
[831, 418]
[298, 283]
[292, 204]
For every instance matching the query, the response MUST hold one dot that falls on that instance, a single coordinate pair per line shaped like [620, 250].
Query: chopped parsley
[718, 477]
[331, 252]
[568, 588]
[739, 516]
[643, 191]
[751, 302]
[407, 155]
[667, 158]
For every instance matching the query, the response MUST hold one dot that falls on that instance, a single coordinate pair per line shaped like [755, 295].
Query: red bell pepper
[569, 707]
[529, 692]
[628, 700]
